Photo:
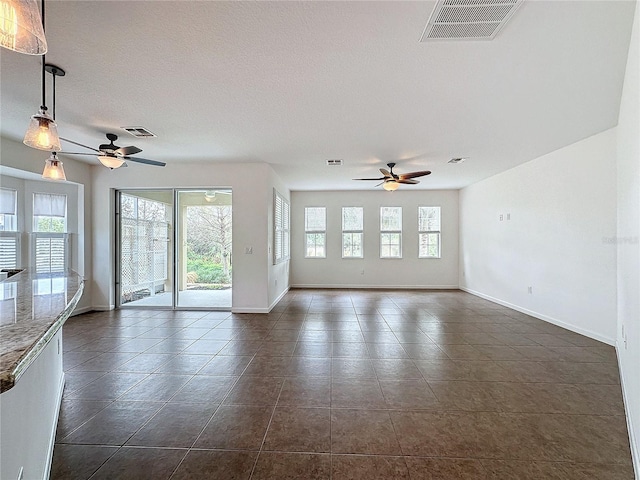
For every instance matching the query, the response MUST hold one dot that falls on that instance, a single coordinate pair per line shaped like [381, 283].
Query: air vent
[335, 162]
[139, 132]
[468, 19]
[457, 160]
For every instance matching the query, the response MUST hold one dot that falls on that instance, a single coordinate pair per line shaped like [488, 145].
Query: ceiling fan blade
[144, 160]
[381, 178]
[422, 173]
[385, 172]
[407, 181]
[75, 153]
[130, 150]
[79, 144]
[379, 184]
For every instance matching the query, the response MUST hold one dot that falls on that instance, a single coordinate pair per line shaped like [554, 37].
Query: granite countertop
[33, 307]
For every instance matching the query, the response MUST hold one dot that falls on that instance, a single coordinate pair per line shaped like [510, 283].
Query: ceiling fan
[392, 181]
[112, 156]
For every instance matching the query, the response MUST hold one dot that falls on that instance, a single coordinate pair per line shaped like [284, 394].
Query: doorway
[174, 248]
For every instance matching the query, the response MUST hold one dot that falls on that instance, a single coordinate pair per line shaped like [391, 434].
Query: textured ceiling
[296, 83]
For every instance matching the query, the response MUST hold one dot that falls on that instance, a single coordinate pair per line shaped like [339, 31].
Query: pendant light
[43, 131]
[53, 169]
[21, 27]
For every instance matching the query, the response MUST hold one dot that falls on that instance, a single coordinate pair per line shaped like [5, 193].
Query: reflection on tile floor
[339, 384]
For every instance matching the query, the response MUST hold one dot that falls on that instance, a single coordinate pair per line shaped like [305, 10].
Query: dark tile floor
[339, 385]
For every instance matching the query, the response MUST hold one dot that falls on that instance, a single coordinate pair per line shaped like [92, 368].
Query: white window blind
[315, 226]
[8, 201]
[429, 232]
[281, 249]
[49, 205]
[352, 232]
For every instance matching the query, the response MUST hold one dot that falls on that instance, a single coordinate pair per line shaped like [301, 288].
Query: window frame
[10, 219]
[315, 232]
[388, 232]
[428, 231]
[39, 234]
[35, 218]
[352, 232]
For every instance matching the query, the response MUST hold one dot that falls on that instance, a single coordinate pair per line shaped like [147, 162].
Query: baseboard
[103, 308]
[275, 302]
[351, 286]
[80, 311]
[635, 454]
[249, 310]
[52, 440]
[541, 316]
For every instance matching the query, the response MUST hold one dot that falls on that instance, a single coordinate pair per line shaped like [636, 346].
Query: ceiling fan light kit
[53, 169]
[110, 162]
[390, 186]
[21, 27]
[112, 156]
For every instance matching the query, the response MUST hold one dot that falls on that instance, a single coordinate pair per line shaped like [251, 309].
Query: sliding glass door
[145, 248]
[204, 253]
[174, 248]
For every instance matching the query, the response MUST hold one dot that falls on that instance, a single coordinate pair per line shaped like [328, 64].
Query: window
[281, 249]
[352, 232]
[390, 232]
[315, 229]
[8, 210]
[429, 232]
[50, 241]
[9, 235]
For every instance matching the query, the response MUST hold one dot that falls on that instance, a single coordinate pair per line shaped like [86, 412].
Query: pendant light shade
[53, 169]
[390, 186]
[21, 27]
[42, 133]
[110, 162]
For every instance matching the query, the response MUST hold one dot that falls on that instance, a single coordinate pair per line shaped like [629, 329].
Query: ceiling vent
[139, 132]
[335, 162]
[457, 160]
[468, 19]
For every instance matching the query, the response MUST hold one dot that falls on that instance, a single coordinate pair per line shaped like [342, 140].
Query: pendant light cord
[44, 93]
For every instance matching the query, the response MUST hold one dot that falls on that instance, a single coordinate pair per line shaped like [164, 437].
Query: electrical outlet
[530, 290]
[248, 250]
[362, 272]
[501, 217]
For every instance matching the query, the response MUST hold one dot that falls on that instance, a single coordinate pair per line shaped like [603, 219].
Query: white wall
[627, 241]
[251, 192]
[16, 157]
[558, 240]
[408, 272]
[278, 279]
[29, 414]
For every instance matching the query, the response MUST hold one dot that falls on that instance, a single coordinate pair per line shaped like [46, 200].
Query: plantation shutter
[9, 251]
[50, 252]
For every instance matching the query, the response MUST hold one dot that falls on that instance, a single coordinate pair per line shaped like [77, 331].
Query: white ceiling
[296, 83]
